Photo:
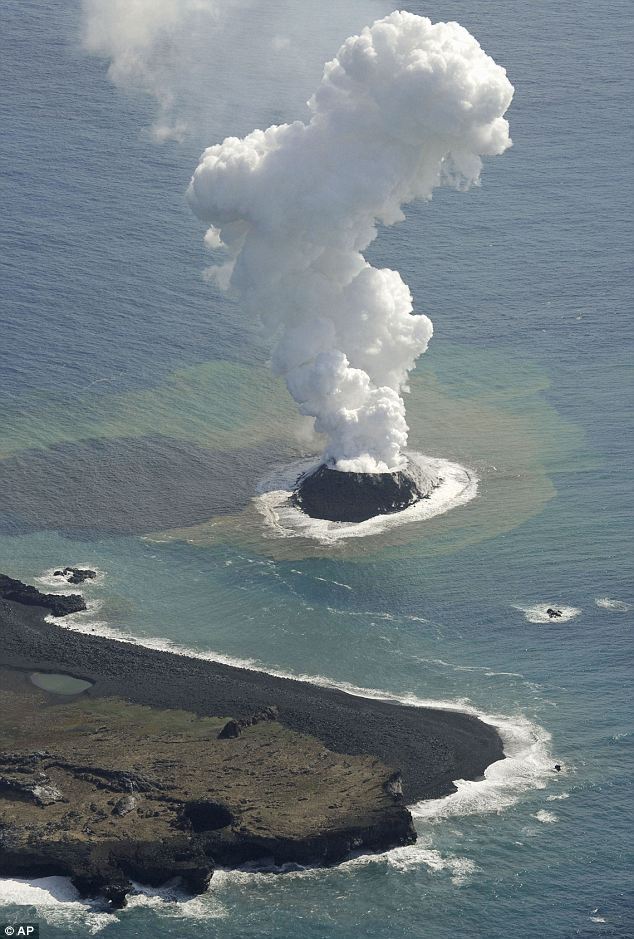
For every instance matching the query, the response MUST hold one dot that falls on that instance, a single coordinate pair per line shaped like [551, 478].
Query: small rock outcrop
[394, 786]
[56, 604]
[36, 791]
[76, 575]
[233, 728]
[124, 805]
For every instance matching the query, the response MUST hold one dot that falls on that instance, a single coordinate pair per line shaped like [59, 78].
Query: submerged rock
[355, 497]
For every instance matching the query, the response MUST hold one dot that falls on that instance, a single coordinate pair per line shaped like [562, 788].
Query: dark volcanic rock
[18, 592]
[553, 613]
[29, 791]
[233, 728]
[76, 575]
[230, 730]
[125, 805]
[355, 497]
[394, 786]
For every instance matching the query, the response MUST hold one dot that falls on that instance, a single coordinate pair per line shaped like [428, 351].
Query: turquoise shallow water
[126, 382]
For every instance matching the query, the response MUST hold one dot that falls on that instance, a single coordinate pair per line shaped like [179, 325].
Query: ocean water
[137, 417]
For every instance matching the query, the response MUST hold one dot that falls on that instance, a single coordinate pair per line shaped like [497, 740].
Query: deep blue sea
[137, 414]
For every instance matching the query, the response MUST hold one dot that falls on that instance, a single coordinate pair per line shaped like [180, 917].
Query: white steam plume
[214, 66]
[406, 106]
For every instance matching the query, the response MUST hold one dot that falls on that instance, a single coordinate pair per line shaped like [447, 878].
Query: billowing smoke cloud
[404, 107]
[214, 66]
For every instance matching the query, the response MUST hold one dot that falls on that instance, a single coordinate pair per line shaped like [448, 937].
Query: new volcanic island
[338, 496]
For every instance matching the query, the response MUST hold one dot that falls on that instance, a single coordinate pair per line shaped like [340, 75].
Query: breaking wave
[605, 603]
[539, 613]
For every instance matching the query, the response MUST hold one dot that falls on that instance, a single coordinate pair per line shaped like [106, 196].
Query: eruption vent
[406, 106]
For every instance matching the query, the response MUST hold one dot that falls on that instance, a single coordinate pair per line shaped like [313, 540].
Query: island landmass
[165, 765]
[335, 496]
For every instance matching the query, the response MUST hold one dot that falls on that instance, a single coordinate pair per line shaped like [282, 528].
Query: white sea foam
[56, 900]
[618, 606]
[170, 900]
[324, 580]
[60, 904]
[402, 859]
[546, 818]
[458, 486]
[378, 614]
[411, 857]
[489, 672]
[538, 613]
[528, 765]
[45, 891]
[335, 583]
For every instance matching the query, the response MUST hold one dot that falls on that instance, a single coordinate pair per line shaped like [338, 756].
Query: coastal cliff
[105, 792]
[169, 765]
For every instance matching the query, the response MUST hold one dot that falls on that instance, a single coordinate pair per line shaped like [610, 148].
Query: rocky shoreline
[25, 595]
[237, 764]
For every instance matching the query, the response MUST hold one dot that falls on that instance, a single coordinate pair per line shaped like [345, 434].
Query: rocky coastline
[169, 765]
[54, 603]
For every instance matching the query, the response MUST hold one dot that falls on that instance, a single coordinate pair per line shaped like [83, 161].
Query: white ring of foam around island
[457, 486]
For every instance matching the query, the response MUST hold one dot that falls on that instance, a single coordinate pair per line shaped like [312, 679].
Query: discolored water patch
[182, 460]
[128, 485]
[506, 435]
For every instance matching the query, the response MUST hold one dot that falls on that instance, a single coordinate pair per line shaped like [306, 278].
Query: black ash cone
[355, 497]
